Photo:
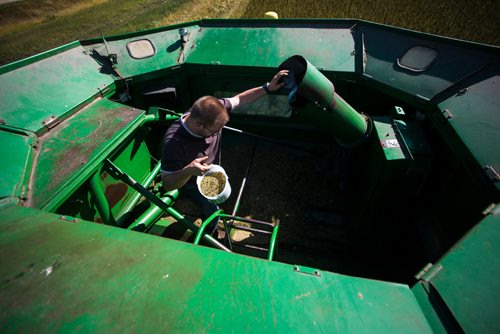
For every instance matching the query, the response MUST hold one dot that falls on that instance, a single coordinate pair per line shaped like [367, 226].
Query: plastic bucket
[224, 194]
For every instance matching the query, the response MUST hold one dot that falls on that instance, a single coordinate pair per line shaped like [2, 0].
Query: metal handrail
[219, 214]
[203, 225]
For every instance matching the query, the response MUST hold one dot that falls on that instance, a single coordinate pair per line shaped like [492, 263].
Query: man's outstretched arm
[253, 94]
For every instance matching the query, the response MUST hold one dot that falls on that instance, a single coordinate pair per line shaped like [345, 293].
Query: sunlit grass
[60, 24]
[474, 20]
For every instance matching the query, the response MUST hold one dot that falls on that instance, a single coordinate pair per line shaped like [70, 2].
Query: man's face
[207, 130]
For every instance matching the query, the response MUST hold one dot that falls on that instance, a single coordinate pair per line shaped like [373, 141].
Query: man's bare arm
[253, 94]
[178, 179]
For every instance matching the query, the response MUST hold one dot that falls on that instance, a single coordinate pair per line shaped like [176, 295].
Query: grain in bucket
[214, 185]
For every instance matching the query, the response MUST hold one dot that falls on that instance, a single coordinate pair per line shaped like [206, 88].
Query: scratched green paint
[267, 47]
[69, 148]
[51, 87]
[154, 284]
[167, 49]
[17, 154]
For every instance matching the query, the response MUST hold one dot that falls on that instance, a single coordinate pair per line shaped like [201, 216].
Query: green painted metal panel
[454, 62]
[467, 278]
[327, 49]
[65, 276]
[390, 140]
[167, 52]
[50, 87]
[433, 316]
[90, 277]
[475, 116]
[17, 157]
[71, 147]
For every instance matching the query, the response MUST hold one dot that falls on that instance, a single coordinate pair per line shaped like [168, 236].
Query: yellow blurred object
[270, 15]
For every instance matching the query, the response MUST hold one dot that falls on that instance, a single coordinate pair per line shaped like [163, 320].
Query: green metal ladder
[229, 224]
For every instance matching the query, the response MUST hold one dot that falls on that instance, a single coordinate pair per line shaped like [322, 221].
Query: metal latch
[51, 122]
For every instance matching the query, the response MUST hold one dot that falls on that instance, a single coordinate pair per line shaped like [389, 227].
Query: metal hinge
[447, 114]
[69, 219]
[103, 90]
[306, 270]
[492, 173]
[492, 209]
[51, 122]
[428, 272]
[24, 193]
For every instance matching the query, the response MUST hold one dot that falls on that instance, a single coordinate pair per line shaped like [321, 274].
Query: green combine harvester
[365, 192]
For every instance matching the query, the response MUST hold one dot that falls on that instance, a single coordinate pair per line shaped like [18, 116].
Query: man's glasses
[211, 131]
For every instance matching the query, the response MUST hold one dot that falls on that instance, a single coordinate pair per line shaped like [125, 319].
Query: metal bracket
[113, 58]
[51, 122]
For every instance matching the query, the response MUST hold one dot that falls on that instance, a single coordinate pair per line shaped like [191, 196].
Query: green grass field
[473, 20]
[32, 26]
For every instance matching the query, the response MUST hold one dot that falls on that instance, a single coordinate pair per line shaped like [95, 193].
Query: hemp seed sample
[213, 184]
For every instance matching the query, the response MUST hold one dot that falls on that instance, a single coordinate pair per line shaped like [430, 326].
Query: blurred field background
[28, 27]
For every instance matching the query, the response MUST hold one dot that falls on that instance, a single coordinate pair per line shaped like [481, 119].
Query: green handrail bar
[151, 215]
[100, 200]
[205, 223]
[221, 215]
[272, 243]
[115, 172]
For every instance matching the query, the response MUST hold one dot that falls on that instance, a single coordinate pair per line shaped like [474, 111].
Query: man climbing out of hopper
[192, 143]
